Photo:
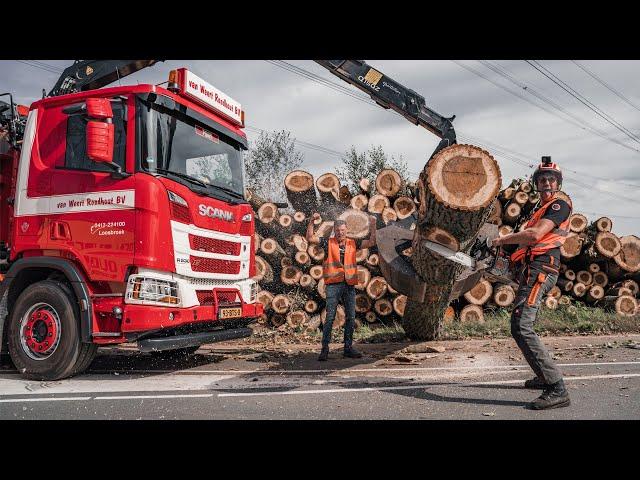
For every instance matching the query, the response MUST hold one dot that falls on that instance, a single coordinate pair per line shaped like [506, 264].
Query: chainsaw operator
[340, 274]
[536, 262]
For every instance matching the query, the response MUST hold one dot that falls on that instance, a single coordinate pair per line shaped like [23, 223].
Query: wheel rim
[40, 331]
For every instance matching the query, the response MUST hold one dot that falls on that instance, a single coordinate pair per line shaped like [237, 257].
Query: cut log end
[388, 183]
[376, 288]
[404, 207]
[357, 223]
[359, 202]
[399, 304]
[442, 237]
[504, 296]
[464, 177]
[577, 223]
[607, 244]
[480, 293]
[628, 258]
[472, 314]
[551, 303]
[604, 224]
[377, 204]
[383, 307]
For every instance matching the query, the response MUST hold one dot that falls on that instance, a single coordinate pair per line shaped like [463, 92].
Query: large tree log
[377, 204]
[357, 223]
[456, 189]
[584, 277]
[281, 304]
[404, 207]
[388, 182]
[268, 212]
[603, 224]
[607, 244]
[551, 303]
[383, 307]
[628, 259]
[365, 186]
[600, 278]
[290, 276]
[376, 288]
[595, 293]
[571, 247]
[265, 298]
[297, 318]
[625, 305]
[316, 252]
[512, 213]
[504, 296]
[577, 223]
[359, 202]
[364, 277]
[264, 271]
[565, 284]
[328, 186]
[272, 252]
[521, 198]
[316, 272]
[480, 293]
[630, 284]
[363, 303]
[399, 304]
[472, 314]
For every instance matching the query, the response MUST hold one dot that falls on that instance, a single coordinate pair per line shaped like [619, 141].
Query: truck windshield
[173, 142]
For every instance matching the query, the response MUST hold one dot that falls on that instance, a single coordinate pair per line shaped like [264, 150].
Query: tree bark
[300, 191]
[565, 284]
[456, 189]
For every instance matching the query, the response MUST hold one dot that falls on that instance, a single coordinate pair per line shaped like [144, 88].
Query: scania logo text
[215, 213]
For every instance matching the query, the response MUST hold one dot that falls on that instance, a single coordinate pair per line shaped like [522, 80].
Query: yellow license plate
[230, 312]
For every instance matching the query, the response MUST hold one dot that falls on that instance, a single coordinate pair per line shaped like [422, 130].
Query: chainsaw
[483, 259]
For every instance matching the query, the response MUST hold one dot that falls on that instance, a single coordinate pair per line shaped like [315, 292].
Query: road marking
[136, 397]
[55, 399]
[404, 387]
[355, 370]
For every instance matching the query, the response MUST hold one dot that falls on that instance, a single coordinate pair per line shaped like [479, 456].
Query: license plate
[230, 312]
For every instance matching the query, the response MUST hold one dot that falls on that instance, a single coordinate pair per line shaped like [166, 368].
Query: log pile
[598, 268]
[289, 270]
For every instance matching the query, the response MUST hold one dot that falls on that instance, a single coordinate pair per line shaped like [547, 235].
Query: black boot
[554, 396]
[535, 384]
[351, 352]
[324, 354]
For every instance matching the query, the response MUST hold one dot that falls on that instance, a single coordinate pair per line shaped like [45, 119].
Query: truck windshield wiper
[183, 175]
[227, 190]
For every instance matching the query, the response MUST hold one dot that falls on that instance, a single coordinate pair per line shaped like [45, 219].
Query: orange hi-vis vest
[554, 239]
[333, 271]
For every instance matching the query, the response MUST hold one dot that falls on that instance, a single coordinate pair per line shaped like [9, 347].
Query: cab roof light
[173, 84]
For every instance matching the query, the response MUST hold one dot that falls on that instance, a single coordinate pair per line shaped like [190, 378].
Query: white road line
[135, 397]
[56, 399]
[404, 387]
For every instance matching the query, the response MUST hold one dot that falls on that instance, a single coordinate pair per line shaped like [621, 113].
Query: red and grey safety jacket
[554, 239]
[334, 271]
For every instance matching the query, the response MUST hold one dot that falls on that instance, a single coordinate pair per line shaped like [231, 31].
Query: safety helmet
[547, 167]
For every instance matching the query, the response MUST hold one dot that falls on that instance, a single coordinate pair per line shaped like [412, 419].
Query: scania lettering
[123, 219]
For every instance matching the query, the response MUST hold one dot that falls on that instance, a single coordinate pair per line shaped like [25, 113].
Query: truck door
[94, 217]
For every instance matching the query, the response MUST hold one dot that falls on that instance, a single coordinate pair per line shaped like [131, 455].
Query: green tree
[269, 159]
[367, 165]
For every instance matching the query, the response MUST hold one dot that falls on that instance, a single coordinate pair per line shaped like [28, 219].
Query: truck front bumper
[190, 339]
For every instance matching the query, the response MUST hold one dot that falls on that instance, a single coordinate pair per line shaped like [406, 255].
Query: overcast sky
[509, 127]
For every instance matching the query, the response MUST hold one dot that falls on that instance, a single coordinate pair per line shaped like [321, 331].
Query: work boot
[535, 384]
[351, 353]
[554, 396]
[324, 354]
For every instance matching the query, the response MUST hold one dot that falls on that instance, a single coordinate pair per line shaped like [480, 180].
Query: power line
[41, 65]
[579, 125]
[555, 79]
[606, 85]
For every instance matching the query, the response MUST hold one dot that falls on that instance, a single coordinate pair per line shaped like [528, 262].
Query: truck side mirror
[100, 130]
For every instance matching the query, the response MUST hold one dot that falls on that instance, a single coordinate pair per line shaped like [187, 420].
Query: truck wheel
[176, 354]
[44, 332]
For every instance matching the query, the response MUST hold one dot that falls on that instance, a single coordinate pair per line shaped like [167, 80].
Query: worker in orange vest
[340, 274]
[536, 262]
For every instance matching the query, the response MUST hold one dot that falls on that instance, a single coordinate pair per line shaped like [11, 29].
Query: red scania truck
[122, 219]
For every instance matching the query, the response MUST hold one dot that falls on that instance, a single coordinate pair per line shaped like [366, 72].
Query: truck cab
[126, 222]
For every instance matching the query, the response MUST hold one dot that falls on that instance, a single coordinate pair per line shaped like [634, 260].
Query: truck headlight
[148, 289]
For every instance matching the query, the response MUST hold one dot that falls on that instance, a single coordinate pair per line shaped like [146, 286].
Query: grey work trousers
[335, 292]
[534, 283]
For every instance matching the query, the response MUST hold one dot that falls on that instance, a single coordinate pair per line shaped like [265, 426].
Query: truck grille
[205, 297]
[212, 245]
[214, 265]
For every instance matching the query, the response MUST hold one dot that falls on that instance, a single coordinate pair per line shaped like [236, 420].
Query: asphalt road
[469, 380]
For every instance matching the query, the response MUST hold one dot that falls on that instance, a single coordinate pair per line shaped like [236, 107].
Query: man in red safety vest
[340, 274]
[537, 262]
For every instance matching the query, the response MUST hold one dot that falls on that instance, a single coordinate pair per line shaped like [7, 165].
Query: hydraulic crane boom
[92, 74]
[390, 94]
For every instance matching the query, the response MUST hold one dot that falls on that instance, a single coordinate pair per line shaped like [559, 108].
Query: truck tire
[44, 333]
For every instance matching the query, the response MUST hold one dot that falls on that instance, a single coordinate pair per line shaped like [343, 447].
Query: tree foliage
[269, 159]
[367, 165]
